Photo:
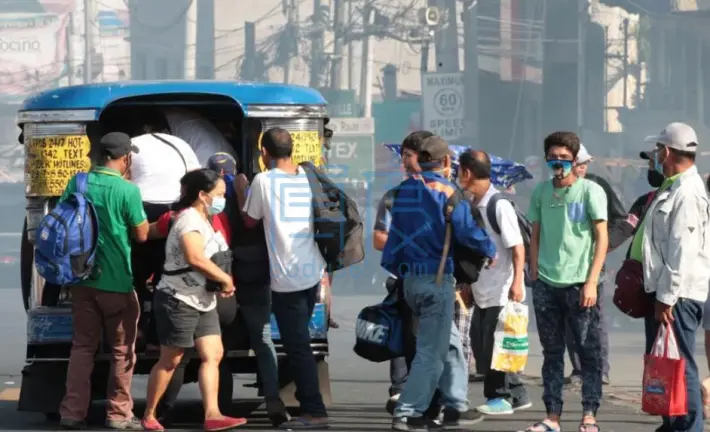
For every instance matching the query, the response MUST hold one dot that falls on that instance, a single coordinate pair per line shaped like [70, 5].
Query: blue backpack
[65, 246]
[379, 332]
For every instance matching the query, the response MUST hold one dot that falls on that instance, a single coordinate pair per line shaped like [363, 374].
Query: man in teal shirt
[106, 304]
[567, 251]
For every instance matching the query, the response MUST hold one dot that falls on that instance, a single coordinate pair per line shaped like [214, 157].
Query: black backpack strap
[184, 162]
[177, 272]
[313, 180]
[491, 212]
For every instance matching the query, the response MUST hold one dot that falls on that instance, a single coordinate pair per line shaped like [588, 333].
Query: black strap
[184, 162]
[177, 272]
[491, 213]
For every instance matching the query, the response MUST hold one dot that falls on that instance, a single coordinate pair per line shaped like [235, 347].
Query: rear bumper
[49, 335]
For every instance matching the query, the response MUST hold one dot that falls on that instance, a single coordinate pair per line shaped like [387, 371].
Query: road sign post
[443, 104]
[352, 148]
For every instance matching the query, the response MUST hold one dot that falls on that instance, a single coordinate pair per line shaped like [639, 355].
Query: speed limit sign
[443, 104]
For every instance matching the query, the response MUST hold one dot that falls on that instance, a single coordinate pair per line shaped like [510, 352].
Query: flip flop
[545, 428]
[302, 424]
[589, 427]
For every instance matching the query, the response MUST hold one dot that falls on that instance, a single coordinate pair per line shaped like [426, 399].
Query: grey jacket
[676, 241]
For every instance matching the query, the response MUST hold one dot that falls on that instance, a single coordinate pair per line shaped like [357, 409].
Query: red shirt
[220, 223]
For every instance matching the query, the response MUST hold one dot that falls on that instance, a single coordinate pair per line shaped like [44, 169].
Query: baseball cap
[677, 135]
[223, 163]
[583, 155]
[433, 149]
[116, 145]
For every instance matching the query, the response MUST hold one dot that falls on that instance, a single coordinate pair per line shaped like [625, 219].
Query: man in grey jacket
[673, 244]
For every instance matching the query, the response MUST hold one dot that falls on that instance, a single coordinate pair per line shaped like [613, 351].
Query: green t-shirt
[636, 252]
[119, 207]
[566, 229]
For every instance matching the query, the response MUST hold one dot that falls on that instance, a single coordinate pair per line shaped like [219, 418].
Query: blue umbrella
[504, 173]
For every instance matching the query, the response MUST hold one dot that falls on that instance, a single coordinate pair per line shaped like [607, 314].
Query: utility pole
[626, 62]
[70, 50]
[471, 93]
[292, 24]
[446, 42]
[367, 73]
[89, 16]
[248, 71]
[336, 69]
[191, 40]
[424, 62]
[581, 79]
[352, 63]
[204, 50]
[317, 44]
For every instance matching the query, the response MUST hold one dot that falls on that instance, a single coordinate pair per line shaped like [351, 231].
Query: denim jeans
[257, 317]
[688, 315]
[439, 361]
[496, 384]
[555, 308]
[573, 350]
[293, 312]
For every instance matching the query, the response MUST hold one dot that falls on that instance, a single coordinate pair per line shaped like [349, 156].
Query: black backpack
[468, 263]
[523, 223]
[337, 223]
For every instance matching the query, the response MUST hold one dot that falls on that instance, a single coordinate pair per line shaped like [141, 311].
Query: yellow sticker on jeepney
[306, 147]
[50, 162]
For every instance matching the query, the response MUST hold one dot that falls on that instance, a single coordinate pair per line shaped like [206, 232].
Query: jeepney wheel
[26, 263]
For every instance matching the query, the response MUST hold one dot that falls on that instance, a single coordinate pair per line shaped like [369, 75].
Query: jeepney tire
[26, 264]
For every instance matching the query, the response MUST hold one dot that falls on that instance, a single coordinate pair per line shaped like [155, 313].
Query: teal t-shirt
[566, 230]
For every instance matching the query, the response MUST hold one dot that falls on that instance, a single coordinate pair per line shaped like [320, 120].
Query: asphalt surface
[359, 388]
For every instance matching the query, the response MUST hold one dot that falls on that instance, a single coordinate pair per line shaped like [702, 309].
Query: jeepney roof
[99, 95]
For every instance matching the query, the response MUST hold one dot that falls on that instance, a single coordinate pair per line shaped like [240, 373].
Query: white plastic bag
[510, 346]
[665, 344]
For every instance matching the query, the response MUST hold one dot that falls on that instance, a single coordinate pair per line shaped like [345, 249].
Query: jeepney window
[307, 135]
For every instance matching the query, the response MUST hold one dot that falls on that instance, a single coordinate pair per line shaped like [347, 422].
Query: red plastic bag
[664, 386]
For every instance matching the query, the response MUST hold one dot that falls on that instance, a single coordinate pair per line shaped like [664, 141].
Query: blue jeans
[293, 312]
[439, 361]
[257, 318]
[573, 350]
[688, 315]
[555, 308]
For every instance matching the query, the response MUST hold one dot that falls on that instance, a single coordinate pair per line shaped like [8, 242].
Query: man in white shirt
[282, 196]
[157, 172]
[203, 136]
[496, 285]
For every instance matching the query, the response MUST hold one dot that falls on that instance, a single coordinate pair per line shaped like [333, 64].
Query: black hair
[568, 140]
[682, 154]
[194, 182]
[414, 140]
[278, 143]
[478, 162]
[153, 119]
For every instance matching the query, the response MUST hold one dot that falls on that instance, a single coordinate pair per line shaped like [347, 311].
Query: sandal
[589, 427]
[541, 427]
[302, 423]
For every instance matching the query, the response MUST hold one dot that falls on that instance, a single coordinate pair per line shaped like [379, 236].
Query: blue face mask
[658, 166]
[217, 206]
[555, 165]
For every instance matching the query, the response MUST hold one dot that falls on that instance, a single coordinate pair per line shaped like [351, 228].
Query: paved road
[359, 388]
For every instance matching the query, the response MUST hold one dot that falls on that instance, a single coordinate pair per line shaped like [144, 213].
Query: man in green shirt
[567, 251]
[106, 304]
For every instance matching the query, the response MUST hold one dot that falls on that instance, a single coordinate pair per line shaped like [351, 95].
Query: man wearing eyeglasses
[673, 245]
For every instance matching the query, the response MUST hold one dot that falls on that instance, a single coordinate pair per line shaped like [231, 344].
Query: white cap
[677, 135]
[583, 155]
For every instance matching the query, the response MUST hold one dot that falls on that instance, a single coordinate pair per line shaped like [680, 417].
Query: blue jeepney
[58, 129]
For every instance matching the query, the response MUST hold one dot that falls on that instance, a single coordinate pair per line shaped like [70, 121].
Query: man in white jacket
[673, 244]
